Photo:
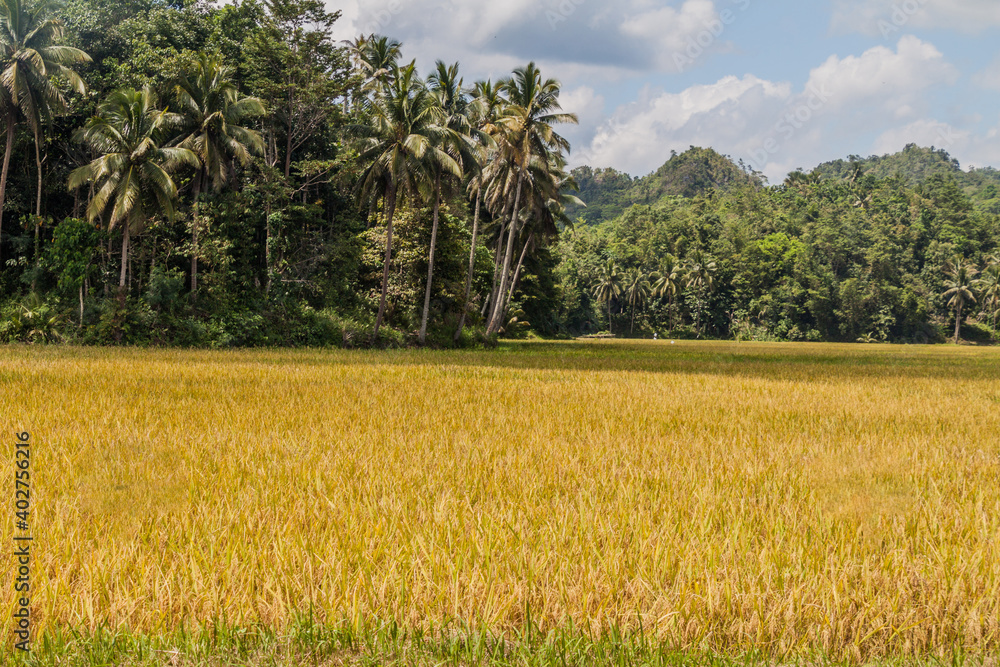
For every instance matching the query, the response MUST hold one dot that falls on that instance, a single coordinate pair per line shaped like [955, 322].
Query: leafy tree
[961, 278]
[637, 292]
[608, 287]
[33, 56]
[666, 283]
[989, 286]
[527, 121]
[299, 72]
[483, 113]
[377, 57]
[212, 111]
[72, 253]
[700, 272]
[401, 148]
[457, 141]
[132, 178]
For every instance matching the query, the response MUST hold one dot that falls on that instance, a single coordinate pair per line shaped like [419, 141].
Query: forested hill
[901, 248]
[608, 193]
[915, 165]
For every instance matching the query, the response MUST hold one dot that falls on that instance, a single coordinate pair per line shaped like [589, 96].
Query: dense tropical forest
[186, 173]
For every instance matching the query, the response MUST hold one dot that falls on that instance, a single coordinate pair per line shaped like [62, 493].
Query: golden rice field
[842, 500]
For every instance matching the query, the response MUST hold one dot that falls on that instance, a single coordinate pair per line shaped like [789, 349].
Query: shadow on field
[778, 361]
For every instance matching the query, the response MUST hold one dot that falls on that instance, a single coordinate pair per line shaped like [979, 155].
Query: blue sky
[780, 84]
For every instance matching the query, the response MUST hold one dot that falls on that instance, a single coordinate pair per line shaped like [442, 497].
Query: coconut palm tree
[989, 286]
[667, 283]
[132, 178]
[961, 279]
[459, 140]
[548, 196]
[212, 112]
[532, 110]
[401, 146]
[609, 287]
[637, 291]
[700, 276]
[32, 59]
[483, 111]
[377, 58]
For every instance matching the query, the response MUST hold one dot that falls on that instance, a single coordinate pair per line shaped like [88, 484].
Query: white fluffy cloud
[888, 80]
[989, 78]
[680, 36]
[769, 124]
[858, 103]
[611, 37]
[890, 17]
[727, 114]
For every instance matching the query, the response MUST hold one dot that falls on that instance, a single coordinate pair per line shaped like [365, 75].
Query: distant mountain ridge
[608, 193]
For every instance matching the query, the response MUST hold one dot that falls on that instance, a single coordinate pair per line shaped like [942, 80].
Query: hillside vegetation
[901, 248]
[228, 175]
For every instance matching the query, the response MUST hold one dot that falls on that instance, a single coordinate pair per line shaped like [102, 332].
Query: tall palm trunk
[430, 260]
[500, 306]
[958, 322]
[631, 328]
[196, 191]
[38, 165]
[390, 210]
[38, 211]
[492, 297]
[11, 126]
[517, 271]
[472, 265]
[121, 278]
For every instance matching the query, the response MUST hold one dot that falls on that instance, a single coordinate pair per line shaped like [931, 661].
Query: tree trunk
[631, 328]
[196, 188]
[611, 329]
[430, 260]
[81, 304]
[958, 323]
[494, 286]
[267, 245]
[492, 296]
[288, 143]
[390, 211]
[38, 165]
[472, 266]
[11, 125]
[499, 306]
[38, 210]
[121, 278]
[517, 272]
